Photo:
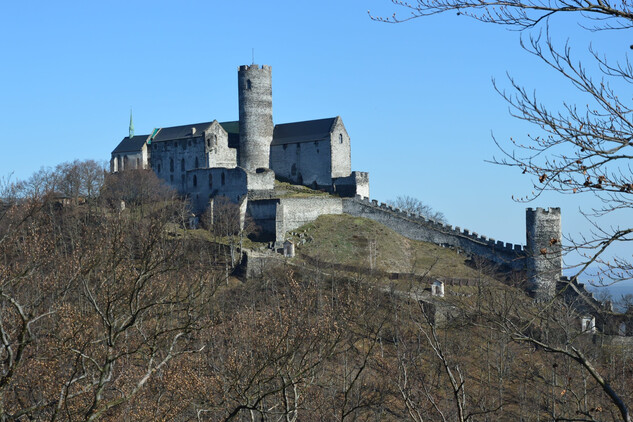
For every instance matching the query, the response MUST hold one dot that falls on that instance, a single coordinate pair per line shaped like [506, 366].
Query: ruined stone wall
[295, 212]
[264, 213]
[303, 163]
[544, 264]
[172, 159]
[419, 228]
[203, 184]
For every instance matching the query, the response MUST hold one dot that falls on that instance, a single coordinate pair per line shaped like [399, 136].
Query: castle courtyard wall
[295, 212]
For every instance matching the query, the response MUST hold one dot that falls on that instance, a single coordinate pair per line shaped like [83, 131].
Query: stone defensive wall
[416, 227]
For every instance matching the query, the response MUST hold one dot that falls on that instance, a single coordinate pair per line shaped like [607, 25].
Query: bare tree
[577, 148]
[413, 205]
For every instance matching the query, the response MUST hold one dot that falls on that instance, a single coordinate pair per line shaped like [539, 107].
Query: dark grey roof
[135, 144]
[310, 130]
[179, 132]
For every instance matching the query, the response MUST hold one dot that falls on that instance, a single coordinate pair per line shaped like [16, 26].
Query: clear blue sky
[416, 98]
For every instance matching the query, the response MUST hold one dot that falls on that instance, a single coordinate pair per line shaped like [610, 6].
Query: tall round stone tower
[544, 251]
[256, 116]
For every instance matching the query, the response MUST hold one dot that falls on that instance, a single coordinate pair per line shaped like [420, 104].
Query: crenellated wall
[417, 227]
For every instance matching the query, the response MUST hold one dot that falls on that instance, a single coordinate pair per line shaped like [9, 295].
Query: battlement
[246, 67]
[539, 210]
[433, 231]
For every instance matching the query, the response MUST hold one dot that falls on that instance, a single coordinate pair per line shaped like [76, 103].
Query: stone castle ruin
[242, 160]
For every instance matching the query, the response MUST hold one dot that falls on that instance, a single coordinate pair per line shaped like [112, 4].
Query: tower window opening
[195, 181]
[248, 84]
[340, 138]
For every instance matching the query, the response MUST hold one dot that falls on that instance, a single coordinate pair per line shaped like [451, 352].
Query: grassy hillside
[348, 240]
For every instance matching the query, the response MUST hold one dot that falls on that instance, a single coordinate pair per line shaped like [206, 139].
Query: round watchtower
[256, 116]
[544, 251]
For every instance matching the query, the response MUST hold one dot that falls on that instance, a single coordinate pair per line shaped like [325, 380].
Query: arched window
[340, 138]
[197, 162]
[195, 181]
[182, 165]
[171, 167]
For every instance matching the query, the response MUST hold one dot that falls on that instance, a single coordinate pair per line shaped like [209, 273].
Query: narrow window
[182, 165]
[210, 180]
[171, 166]
[196, 162]
[248, 84]
[158, 167]
[340, 138]
[223, 179]
[195, 181]
[138, 163]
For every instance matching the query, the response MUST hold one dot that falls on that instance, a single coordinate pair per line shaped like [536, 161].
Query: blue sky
[416, 98]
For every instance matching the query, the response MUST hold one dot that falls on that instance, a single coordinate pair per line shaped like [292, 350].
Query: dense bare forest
[123, 313]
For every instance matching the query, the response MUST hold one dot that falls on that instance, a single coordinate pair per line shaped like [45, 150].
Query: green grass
[287, 190]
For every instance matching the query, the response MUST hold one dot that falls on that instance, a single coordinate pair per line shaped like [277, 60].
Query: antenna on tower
[253, 55]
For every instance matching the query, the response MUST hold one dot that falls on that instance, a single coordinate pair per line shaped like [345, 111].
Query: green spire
[131, 125]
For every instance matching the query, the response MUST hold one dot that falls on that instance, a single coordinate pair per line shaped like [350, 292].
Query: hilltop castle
[233, 159]
[241, 160]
